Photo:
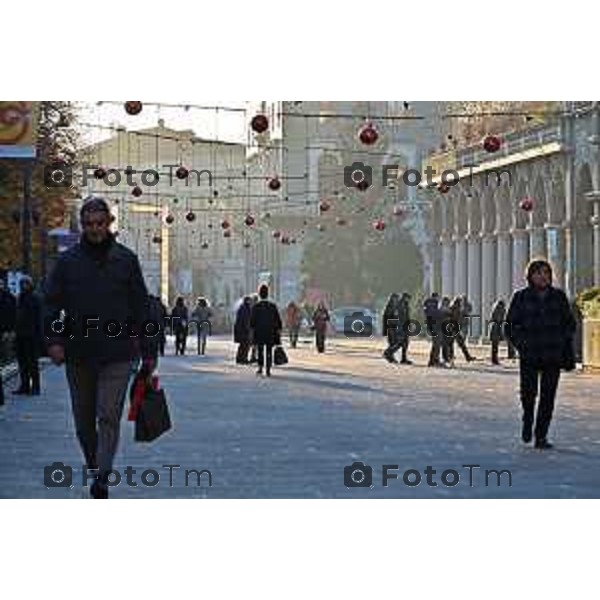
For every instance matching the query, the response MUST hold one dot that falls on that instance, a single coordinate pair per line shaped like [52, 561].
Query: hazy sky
[220, 124]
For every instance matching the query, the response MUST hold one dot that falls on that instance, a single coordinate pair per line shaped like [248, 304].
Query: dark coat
[541, 327]
[497, 320]
[107, 286]
[8, 312]
[242, 332]
[179, 318]
[320, 319]
[391, 313]
[266, 323]
[156, 312]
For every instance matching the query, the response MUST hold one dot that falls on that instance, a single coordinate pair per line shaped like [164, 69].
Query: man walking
[541, 325]
[431, 309]
[266, 325]
[29, 338]
[99, 285]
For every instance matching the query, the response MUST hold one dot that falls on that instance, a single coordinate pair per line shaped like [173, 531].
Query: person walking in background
[164, 314]
[461, 316]
[179, 325]
[29, 338]
[320, 319]
[497, 320]
[266, 325]
[101, 280]
[431, 309]
[242, 331]
[8, 316]
[446, 333]
[253, 347]
[202, 315]
[403, 327]
[293, 319]
[391, 327]
[541, 325]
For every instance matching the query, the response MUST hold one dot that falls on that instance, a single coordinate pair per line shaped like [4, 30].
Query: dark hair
[263, 291]
[94, 204]
[537, 265]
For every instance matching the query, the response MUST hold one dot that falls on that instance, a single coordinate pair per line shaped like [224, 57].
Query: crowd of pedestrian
[101, 277]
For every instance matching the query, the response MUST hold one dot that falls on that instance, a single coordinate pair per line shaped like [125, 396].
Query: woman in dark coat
[242, 332]
[497, 319]
[320, 319]
[541, 325]
[179, 320]
[266, 326]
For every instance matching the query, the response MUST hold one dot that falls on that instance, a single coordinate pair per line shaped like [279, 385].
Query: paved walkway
[292, 435]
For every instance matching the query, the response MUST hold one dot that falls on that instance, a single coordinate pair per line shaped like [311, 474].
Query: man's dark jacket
[242, 333]
[103, 283]
[8, 312]
[541, 327]
[29, 319]
[266, 323]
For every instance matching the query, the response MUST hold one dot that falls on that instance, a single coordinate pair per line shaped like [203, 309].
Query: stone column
[520, 257]
[504, 266]
[537, 243]
[555, 238]
[474, 282]
[596, 226]
[447, 264]
[460, 265]
[488, 277]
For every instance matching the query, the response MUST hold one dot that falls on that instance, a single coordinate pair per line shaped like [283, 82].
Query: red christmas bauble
[181, 172]
[227, 233]
[169, 219]
[324, 206]
[443, 188]
[259, 123]
[190, 216]
[137, 191]
[249, 220]
[492, 143]
[368, 134]
[157, 239]
[274, 184]
[225, 224]
[100, 173]
[526, 204]
[379, 225]
[133, 107]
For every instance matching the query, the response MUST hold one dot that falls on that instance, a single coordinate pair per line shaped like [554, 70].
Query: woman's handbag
[279, 356]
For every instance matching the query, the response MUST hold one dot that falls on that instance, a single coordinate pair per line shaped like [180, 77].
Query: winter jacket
[320, 319]
[541, 326]
[242, 332]
[8, 312]
[103, 285]
[266, 323]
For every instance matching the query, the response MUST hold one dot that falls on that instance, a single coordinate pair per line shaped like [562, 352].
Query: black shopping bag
[152, 419]
[279, 356]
